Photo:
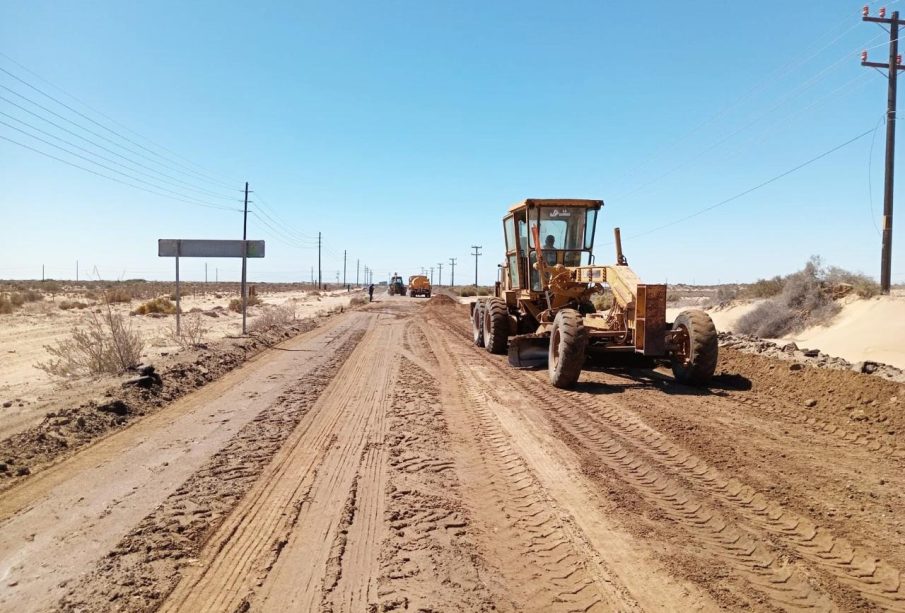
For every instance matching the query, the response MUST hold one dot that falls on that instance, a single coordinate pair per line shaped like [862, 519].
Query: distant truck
[419, 285]
[396, 286]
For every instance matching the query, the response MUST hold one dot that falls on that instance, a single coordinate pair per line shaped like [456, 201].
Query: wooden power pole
[476, 254]
[892, 67]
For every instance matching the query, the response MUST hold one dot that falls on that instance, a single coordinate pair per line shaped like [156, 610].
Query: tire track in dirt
[268, 557]
[428, 561]
[619, 437]
[785, 585]
[149, 561]
[541, 563]
[856, 568]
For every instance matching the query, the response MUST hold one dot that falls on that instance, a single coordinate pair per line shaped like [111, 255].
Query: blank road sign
[192, 248]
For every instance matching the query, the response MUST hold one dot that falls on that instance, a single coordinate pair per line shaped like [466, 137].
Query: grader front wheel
[568, 348]
[477, 324]
[496, 326]
[694, 360]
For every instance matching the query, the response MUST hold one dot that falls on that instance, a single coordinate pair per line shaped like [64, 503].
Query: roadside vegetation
[802, 299]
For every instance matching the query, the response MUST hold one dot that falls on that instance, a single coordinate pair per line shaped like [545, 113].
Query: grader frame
[542, 310]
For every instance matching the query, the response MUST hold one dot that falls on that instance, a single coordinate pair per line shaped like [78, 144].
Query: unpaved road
[382, 463]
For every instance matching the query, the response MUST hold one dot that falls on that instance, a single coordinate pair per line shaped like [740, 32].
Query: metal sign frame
[199, 248]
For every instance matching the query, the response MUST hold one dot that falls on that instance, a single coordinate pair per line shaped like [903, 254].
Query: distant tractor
[396, 288]
[543, 313]
[419, 285]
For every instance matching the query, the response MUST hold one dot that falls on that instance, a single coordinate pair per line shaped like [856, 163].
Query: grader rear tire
[496, 326]
[477, 324]
[696, 362]
[568, 348]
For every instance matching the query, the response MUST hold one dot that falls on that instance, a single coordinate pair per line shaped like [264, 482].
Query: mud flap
[529, 350]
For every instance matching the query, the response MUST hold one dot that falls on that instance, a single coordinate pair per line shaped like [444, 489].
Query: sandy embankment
[871, 329]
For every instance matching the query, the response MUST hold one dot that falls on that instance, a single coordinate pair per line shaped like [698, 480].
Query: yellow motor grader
[542, 310]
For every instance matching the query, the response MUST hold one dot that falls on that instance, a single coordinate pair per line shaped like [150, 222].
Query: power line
[100, 125]
[175, 182]
[81, 127]
[104, 166]
[755, 188]
[99, 174]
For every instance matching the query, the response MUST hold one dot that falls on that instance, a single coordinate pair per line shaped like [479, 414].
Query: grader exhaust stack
[544, 313]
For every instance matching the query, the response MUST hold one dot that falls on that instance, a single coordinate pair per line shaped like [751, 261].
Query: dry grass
[358, 301]
[274, 317]
[118, 294]
[72, 304]
[235, 304]
[157, 305]
[105, 343]
[192, 331]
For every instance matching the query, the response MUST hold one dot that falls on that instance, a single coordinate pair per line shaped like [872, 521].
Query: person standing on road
[371, 293]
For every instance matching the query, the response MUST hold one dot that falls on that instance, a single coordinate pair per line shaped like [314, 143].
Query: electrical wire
[99, 174]
[756, 187]
[125, 138]
[81, 127]
[106, 159]
[870, 160]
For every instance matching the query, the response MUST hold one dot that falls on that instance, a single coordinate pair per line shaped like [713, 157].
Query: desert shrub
[763, 288]
[104, 343]
[467, 291]
[803, 302]
[192, 331]
[236, 303]
[358, 301]
[725, 293]
[673, 297]
[70, 304]
[156, 305]
[31, 295]
[51, 287]
[17, 299]
[6, 307]
[117, 294]
[485, 291]
[861, 284]
[274, 317]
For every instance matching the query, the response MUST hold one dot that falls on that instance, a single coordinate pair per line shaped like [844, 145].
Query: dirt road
[382, 462]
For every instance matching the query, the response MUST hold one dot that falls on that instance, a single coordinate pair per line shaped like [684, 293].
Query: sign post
[191, 248]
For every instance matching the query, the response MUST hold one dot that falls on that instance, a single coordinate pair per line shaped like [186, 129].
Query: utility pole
[217, 275]
[244, 259]
[432, 275]
[319, 278]
[205, 272]
[476, 254]
[893, 66]
[42, 272]
[357, 264]
[452, 265]
[76, 271]
[344, 267]
[440, 274]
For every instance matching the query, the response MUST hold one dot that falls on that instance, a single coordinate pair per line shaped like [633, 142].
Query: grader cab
[543, 309]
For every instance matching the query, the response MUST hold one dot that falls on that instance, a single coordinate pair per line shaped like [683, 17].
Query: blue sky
[403, 130]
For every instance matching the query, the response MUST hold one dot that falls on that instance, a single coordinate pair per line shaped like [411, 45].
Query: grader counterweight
[543, 312]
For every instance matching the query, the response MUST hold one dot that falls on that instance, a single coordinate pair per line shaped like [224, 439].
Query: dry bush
[51, 287]
[17, 299]
[6, 306]
[157, 305]
[31, 295]
[192, 332]
[468, 290]
[235, 304]
[117, 294]
[105, 343]
[273, 317]
[70, 304]
[862, 285]
[485, 291]
[358, 301]
[803, 302]
[763, 288]
[673, 297]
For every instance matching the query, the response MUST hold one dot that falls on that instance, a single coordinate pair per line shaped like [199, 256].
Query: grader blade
[529, 350]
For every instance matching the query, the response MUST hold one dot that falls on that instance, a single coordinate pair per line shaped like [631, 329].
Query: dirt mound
[441, 300]
[67, 429]
[841, 397]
